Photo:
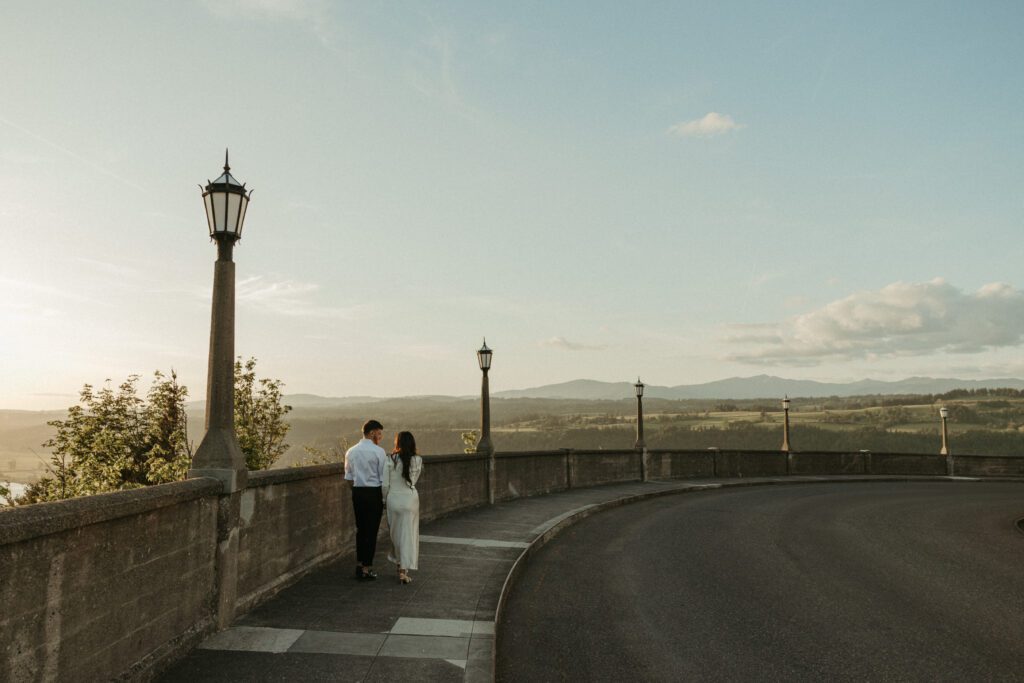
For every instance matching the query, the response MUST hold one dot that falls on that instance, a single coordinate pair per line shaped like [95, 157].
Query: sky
[681, 191]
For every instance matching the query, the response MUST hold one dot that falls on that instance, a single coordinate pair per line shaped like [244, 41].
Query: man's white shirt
[364, 464]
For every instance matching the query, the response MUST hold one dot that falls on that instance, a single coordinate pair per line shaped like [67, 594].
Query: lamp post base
[220, 457]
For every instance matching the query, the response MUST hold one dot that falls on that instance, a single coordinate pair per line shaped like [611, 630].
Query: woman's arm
[385, 481]
[415, 469]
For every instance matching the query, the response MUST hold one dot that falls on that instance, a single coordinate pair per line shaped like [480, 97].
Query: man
[364, 467]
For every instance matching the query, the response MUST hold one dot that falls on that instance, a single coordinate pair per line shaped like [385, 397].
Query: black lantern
[226, 200]
[639, 387]
[484, 357]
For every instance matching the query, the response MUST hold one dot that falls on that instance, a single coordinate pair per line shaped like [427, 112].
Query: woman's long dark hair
[405, 448]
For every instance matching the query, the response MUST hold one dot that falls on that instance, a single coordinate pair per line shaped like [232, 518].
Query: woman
[403, 504]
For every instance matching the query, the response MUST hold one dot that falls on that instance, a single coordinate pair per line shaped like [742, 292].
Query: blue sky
[684, 191]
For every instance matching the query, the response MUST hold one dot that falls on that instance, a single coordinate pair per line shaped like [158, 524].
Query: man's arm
[382, 463]
[348, 467]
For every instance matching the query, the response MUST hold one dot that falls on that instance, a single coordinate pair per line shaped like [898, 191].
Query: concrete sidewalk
[330, 627]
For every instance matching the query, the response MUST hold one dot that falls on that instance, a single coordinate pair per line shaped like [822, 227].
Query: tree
[115, 440]
[323, 456]
[469, 440]
[259, 417]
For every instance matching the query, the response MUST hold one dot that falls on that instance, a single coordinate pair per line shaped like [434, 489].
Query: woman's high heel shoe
[403, 577]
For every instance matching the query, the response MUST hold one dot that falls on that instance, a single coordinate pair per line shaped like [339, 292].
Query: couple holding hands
[381, 480]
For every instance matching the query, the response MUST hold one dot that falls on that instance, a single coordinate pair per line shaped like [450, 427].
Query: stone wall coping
[604, 451]
[287, 474]
[668, 451]
[560, 453]
[42, 519]
[441, 458]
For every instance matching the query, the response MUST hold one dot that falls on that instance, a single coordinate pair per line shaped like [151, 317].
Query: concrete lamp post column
[640, 444]
[484, 446]
[944, 415]
[785, 425]
[639, 389]
[219, 455]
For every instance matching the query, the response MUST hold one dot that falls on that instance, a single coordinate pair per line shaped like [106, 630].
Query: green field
[982, 422]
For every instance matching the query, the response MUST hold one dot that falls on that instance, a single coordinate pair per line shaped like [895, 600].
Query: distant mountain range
[760, 386]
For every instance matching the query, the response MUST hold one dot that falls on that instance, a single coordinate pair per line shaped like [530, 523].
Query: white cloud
[901, 319]
[566, 345]
[710, 125]
[287, 297]
[311, 15]
[293, 10]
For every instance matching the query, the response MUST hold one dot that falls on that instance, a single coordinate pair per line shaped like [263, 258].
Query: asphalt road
[879, 581]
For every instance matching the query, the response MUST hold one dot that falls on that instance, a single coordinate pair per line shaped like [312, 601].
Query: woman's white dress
[403, 503]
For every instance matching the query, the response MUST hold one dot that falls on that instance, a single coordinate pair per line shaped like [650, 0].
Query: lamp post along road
[639, 388]
[944, 414]
[484, 446]
[219, 455]
[640, 444]
[785, 425]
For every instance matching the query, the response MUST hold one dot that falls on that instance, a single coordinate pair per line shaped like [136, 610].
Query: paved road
[884, 581]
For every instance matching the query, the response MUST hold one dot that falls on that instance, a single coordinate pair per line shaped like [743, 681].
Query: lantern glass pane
[233, 206]
[208, 201]
[241, 214]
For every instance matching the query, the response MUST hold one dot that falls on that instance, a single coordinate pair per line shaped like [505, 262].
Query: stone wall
[829, 463]
[750, 463]
[988, 466]
[530, 474]
[592, 468]
[120, 584]
[113, 583]
[450, 483]
[674, 464]
[290, 521]
[906, 463]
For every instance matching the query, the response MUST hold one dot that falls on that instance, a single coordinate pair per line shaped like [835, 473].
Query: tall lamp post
[484, 446]
[639, 388]
[785, 424]
[219, 455]
[944, 414]
[483, 356]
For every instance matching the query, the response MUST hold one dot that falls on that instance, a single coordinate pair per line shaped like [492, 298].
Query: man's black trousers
[368, 505]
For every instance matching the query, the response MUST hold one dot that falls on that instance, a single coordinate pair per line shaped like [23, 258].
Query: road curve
[868, 581]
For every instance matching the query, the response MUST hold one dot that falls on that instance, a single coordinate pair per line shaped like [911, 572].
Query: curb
[579, 514]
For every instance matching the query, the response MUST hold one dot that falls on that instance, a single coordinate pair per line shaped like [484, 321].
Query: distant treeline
[545, 424]
[738, 436]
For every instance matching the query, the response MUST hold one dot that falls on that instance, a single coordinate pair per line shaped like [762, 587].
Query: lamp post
[483, 356]
[785, 424]
[639, 388]
[219, 455]
[484, 446]
[944, 414]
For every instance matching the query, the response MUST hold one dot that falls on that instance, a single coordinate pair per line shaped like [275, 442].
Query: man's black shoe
[368, 575]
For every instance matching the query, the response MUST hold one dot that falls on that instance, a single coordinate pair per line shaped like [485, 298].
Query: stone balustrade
[120, 584]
